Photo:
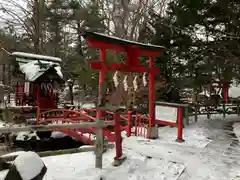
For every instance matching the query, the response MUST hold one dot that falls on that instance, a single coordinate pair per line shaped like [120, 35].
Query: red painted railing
[89, 115]
[141, 125]
[71, 116]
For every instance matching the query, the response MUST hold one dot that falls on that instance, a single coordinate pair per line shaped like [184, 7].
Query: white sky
[11, 5]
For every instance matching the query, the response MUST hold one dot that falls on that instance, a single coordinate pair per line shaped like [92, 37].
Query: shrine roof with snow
[119, 41]
[35, 65]
[26, 57]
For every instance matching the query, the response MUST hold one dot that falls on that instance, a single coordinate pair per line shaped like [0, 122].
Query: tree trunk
[80, 51]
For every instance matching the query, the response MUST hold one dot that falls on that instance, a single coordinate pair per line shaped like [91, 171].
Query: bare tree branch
[28, 18]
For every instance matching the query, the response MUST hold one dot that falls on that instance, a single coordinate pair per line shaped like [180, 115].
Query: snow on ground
[206, 154]
[198, 158]
[203, 152]
[81, 166]
[236, 128]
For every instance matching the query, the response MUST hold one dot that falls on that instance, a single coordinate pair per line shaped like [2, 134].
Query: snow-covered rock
[27, 166]
[3, 174]
[25, 136]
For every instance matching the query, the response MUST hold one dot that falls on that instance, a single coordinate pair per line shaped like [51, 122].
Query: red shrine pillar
[38, 104]
[151, 99]
[226, 89]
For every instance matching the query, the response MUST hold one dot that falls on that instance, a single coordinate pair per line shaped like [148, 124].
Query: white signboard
[166, 113]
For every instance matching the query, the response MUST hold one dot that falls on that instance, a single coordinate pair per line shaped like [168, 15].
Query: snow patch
[194, 137]
[236, 129]
[59, 71]
[56, 134]
[85, 146]
[2, 124]
[13, 154]
[88, 105]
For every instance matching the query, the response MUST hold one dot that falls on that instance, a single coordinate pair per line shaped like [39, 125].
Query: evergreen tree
[195, 56]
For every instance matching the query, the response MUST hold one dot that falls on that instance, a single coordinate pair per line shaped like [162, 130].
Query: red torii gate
[133, 51]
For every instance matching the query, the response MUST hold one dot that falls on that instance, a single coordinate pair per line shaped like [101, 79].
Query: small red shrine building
[38, 80]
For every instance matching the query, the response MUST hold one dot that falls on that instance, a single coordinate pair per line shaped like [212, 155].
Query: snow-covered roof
[117, 40]
[26, 57]
[32, 70]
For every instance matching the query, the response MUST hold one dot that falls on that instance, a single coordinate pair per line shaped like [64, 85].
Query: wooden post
[238, 112]
[22, 93]
[208, 111]
[151, 95]
[186, 117]
[224, 110]
[70, 86]
[16, 94]
[99, 144]
[9, 81]
[3, 73]
[64, 111]
[196, 112]
[100, 113]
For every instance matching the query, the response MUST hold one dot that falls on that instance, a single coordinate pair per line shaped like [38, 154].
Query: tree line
[201, 37]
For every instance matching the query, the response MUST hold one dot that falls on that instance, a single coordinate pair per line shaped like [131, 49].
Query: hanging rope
[125, 83]
[144, 80]
[135, 83]
[115, 79]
